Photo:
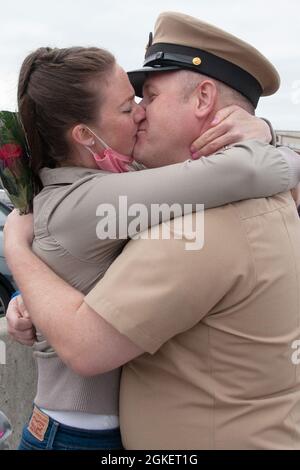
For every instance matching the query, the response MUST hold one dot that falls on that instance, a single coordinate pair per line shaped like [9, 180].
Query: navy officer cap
[184, 42]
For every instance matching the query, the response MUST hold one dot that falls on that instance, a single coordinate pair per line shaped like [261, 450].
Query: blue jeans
[61, 437]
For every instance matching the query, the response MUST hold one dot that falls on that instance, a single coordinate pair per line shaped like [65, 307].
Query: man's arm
[152, 292]
[59, 312]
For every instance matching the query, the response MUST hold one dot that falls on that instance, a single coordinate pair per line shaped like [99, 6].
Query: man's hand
[19, 325]
[230, 125]
[18, 231]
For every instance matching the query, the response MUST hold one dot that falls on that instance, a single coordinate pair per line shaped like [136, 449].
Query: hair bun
[29, 66]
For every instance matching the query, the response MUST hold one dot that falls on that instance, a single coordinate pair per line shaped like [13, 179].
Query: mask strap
[100, 140]
[90, 150]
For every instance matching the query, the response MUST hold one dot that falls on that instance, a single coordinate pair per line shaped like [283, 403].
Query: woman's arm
[246, 170]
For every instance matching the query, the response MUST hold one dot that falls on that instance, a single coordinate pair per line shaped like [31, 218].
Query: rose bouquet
[15, 171]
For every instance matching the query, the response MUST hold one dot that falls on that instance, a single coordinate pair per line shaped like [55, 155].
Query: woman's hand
[230, 125]
[18, 232]
[19, 325]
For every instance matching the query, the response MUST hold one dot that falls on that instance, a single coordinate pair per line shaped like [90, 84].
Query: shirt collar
[65, 175]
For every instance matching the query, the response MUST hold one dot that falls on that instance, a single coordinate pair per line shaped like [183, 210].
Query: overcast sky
[123, 26]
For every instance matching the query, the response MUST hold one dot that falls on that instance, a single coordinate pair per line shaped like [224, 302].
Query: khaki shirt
[65, 227]
[218, 327]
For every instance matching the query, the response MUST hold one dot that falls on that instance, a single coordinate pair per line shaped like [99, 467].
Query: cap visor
[137, 77]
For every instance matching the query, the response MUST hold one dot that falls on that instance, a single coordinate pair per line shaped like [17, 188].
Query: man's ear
[81, 135]
[206, 98]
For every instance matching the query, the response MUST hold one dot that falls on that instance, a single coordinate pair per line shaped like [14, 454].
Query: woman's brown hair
[57, 90]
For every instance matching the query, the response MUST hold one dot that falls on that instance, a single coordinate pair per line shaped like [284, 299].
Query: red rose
[10, 151]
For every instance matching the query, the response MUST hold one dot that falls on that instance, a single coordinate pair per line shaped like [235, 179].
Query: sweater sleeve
[244, 171]
[132, 202]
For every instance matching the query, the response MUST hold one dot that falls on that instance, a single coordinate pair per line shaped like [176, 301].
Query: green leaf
[15, 174]
[11, 130]
[9, 182]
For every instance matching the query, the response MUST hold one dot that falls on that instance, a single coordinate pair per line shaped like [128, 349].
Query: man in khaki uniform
[219, 324]
[210, 333]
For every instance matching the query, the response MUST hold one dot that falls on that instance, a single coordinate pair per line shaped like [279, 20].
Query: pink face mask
[109, 159]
